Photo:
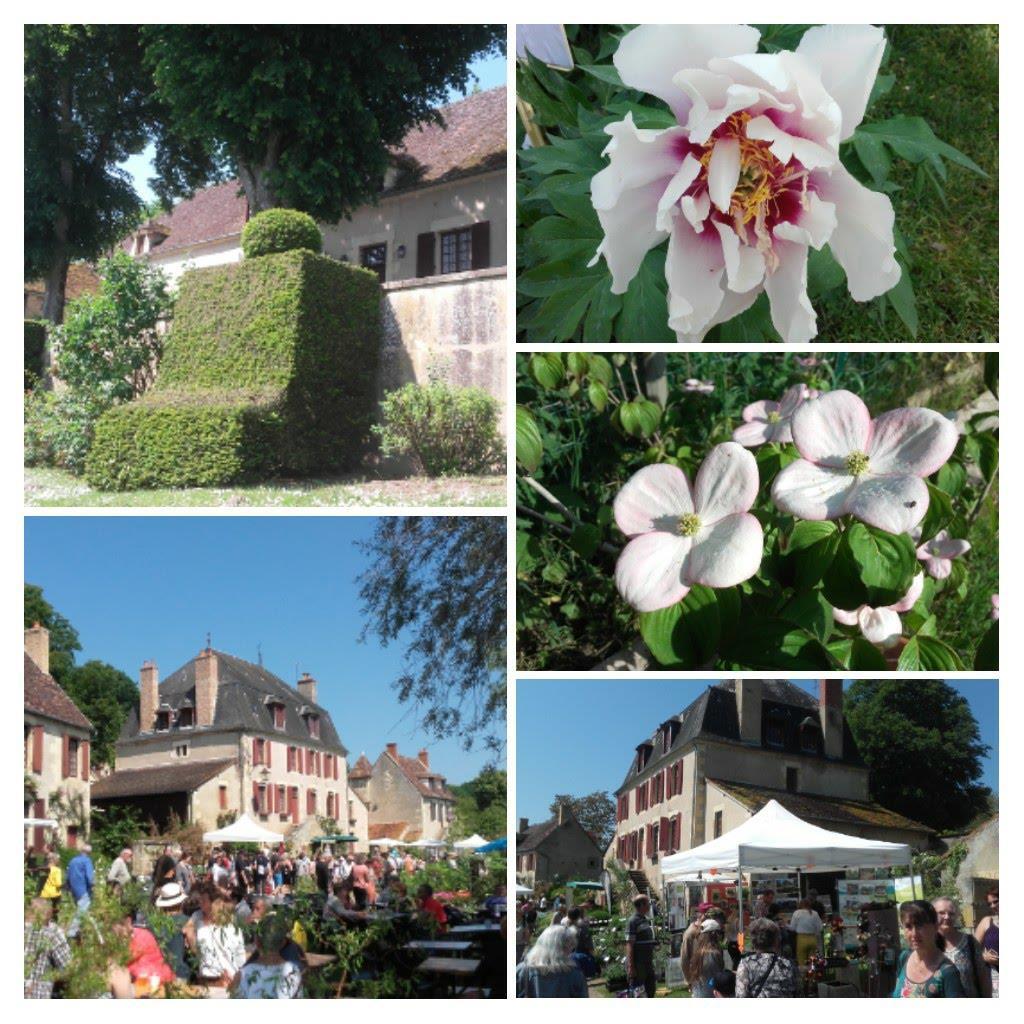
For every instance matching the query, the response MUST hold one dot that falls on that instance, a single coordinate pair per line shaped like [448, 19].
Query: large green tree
[304, 115]
[595, 812]
[481, 805]
[436, 585]
[923, 746]
[89, 105]
[64, 640]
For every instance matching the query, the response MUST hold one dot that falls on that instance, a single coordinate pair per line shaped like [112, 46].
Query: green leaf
[927, 654]
[992, 372]
[598, 395]
[644, 316]
[986, 657]
[765, 643]
[903, 301]
[639, 417]
[600, 369]
[584, 539]
[824, 274]
[951, 478]
[874, 155]
[812, 546]
[886, 562]
[529, 447]
[686, 634]
[940, 511]
[528, 551]
[988, 454]
[865, 656]
[811, 611]
[554, 572]
[547, 370]
[603, 73]
[604, 307]
[913, 139]
[577, 363]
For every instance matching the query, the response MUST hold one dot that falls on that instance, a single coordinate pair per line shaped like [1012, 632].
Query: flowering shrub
[803, 554]
[715, 181]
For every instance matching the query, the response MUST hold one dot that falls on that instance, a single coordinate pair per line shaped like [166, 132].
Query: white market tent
[385, 841]
[471, 843]
[243, 830]
[521, 890]
[428, 844]
[775, 840]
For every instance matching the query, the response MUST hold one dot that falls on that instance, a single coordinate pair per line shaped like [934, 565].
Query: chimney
[561, 812]
[425, 758]
[149, 695]
[830, 708]
[393, 750]
[207, 678]
[307, 687]
[37, 646]
[524, 824]
[748, 709]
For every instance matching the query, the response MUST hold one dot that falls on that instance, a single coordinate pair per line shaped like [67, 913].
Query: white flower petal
[814, 226]
[649, 56]
[696, 209]
[829, 428]
[938, 568]
[792, 313]
[946, 547]
[744, 265]
[637, 157]
[791, 400]
[724, 172]
[845, 617]
[653, 499]
[759, 410]
[629, 232]
[785, 145]
[847, 57]
[895, 504]
[881, 626]
[750, 435]
[862, 242]
[726, 552]
[910, 598]
[808, 491]
[681, 181]
[911, 441]
[733, 303]
[726, 483]
[648, 572]
[694, 268]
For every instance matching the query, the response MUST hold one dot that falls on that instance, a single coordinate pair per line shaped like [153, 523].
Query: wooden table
[450, 970]
[475, 929]
[439, 945]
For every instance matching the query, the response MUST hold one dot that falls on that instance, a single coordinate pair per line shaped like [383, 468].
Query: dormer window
[277, 714]
[643, 755]
[163, 721]
[186, 718]
[775, 729]
[313, 725]
[810, 736]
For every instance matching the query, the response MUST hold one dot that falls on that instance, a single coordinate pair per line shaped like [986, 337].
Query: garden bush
[35, 347]
[445, 430]
[270, 366]
[59, 426]
[280, 231]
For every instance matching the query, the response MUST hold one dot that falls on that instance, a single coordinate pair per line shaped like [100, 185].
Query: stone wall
[453, 326]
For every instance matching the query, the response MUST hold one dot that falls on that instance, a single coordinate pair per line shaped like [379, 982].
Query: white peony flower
[882, 626]
[750, 179]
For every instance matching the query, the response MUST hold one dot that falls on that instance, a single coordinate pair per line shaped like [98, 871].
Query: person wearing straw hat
[171, 899]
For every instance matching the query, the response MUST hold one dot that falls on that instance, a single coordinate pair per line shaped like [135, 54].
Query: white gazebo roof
[471, 843]
[774, 839]
[385, 841]
[243, 830]
[431, 844]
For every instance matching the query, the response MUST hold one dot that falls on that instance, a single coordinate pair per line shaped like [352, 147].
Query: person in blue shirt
[80, 882]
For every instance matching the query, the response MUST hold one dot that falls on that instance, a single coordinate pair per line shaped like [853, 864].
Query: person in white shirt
[807, 926]
[213, 935]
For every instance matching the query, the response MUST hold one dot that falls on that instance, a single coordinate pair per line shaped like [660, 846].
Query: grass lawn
[56, 487]
[949, 75]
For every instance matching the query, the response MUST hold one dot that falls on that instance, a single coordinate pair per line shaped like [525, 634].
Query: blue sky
[491, 72]
[577, 736]
[151, 587]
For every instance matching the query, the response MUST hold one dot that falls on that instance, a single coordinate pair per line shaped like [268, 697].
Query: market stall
[243, 830]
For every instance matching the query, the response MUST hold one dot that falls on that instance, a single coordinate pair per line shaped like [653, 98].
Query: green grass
[58, 488]
[949, 75]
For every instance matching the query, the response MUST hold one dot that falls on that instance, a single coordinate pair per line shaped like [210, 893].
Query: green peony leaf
[529, 446]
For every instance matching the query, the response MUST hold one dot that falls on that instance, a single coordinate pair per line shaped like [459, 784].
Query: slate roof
[164, 778]
[44, 696]
[535, 835]
[219, 211]
[713, 715]
[831, 812]
[241, 704]
[362, 769]
[418, 774]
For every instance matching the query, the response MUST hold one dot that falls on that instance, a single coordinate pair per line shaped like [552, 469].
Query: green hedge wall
[35, 348]
[280, 231]
[270, 367]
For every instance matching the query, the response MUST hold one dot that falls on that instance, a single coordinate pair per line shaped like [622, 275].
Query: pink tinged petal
[732, 305]
[727, 482]
[629, 231]
[792, 313]
[758, 410]
[847, 57]
[750, 435]
[791, 400]
[994, 614]
[881, 626]
[702, 123]
[845, 617]
[814, 225]
[648, 572]
[681, 181]
[637, 157]
[649, 56]
[911, 441]
[938, 568]
[785, 146]
[653, 499]
[696, 209]
[724, 172]
[808, 491]
[726, 552]
[744, 265]
[829, 428]
[693, 268]
[781, 432]
[862, 242]
[895, 504]
[946, 547]
[912, 596]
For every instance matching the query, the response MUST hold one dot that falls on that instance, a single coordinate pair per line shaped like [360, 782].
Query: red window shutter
[665, 834]
[334, 761]
[309, 762]
[293, 800]
[65, 760]
[268, 747]
[255, 751]
[639, 845]
[223, 798]
[85, 759]
[256, 797]
[37, 748]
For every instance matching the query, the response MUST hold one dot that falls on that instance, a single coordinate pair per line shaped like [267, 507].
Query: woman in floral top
[924, 970]
[766, 973]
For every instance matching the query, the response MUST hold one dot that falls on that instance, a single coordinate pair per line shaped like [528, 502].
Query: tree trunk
[56, 282]
[255, 177]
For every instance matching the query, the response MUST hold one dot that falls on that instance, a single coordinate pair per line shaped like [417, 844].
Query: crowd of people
[939, 958]
[226, 929]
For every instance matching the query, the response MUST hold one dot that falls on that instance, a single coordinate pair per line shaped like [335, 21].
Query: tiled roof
[830, 812]
[535, 835]
[164, 778]
[394, 830]
[362, 769]
[82, 280]
[242, 692]
[219, 211]
[418, 774]
[471, 139]
[43, 696]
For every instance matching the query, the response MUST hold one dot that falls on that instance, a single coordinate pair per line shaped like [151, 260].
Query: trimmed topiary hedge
[35, 349]
[270, 367]
[280, 231]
